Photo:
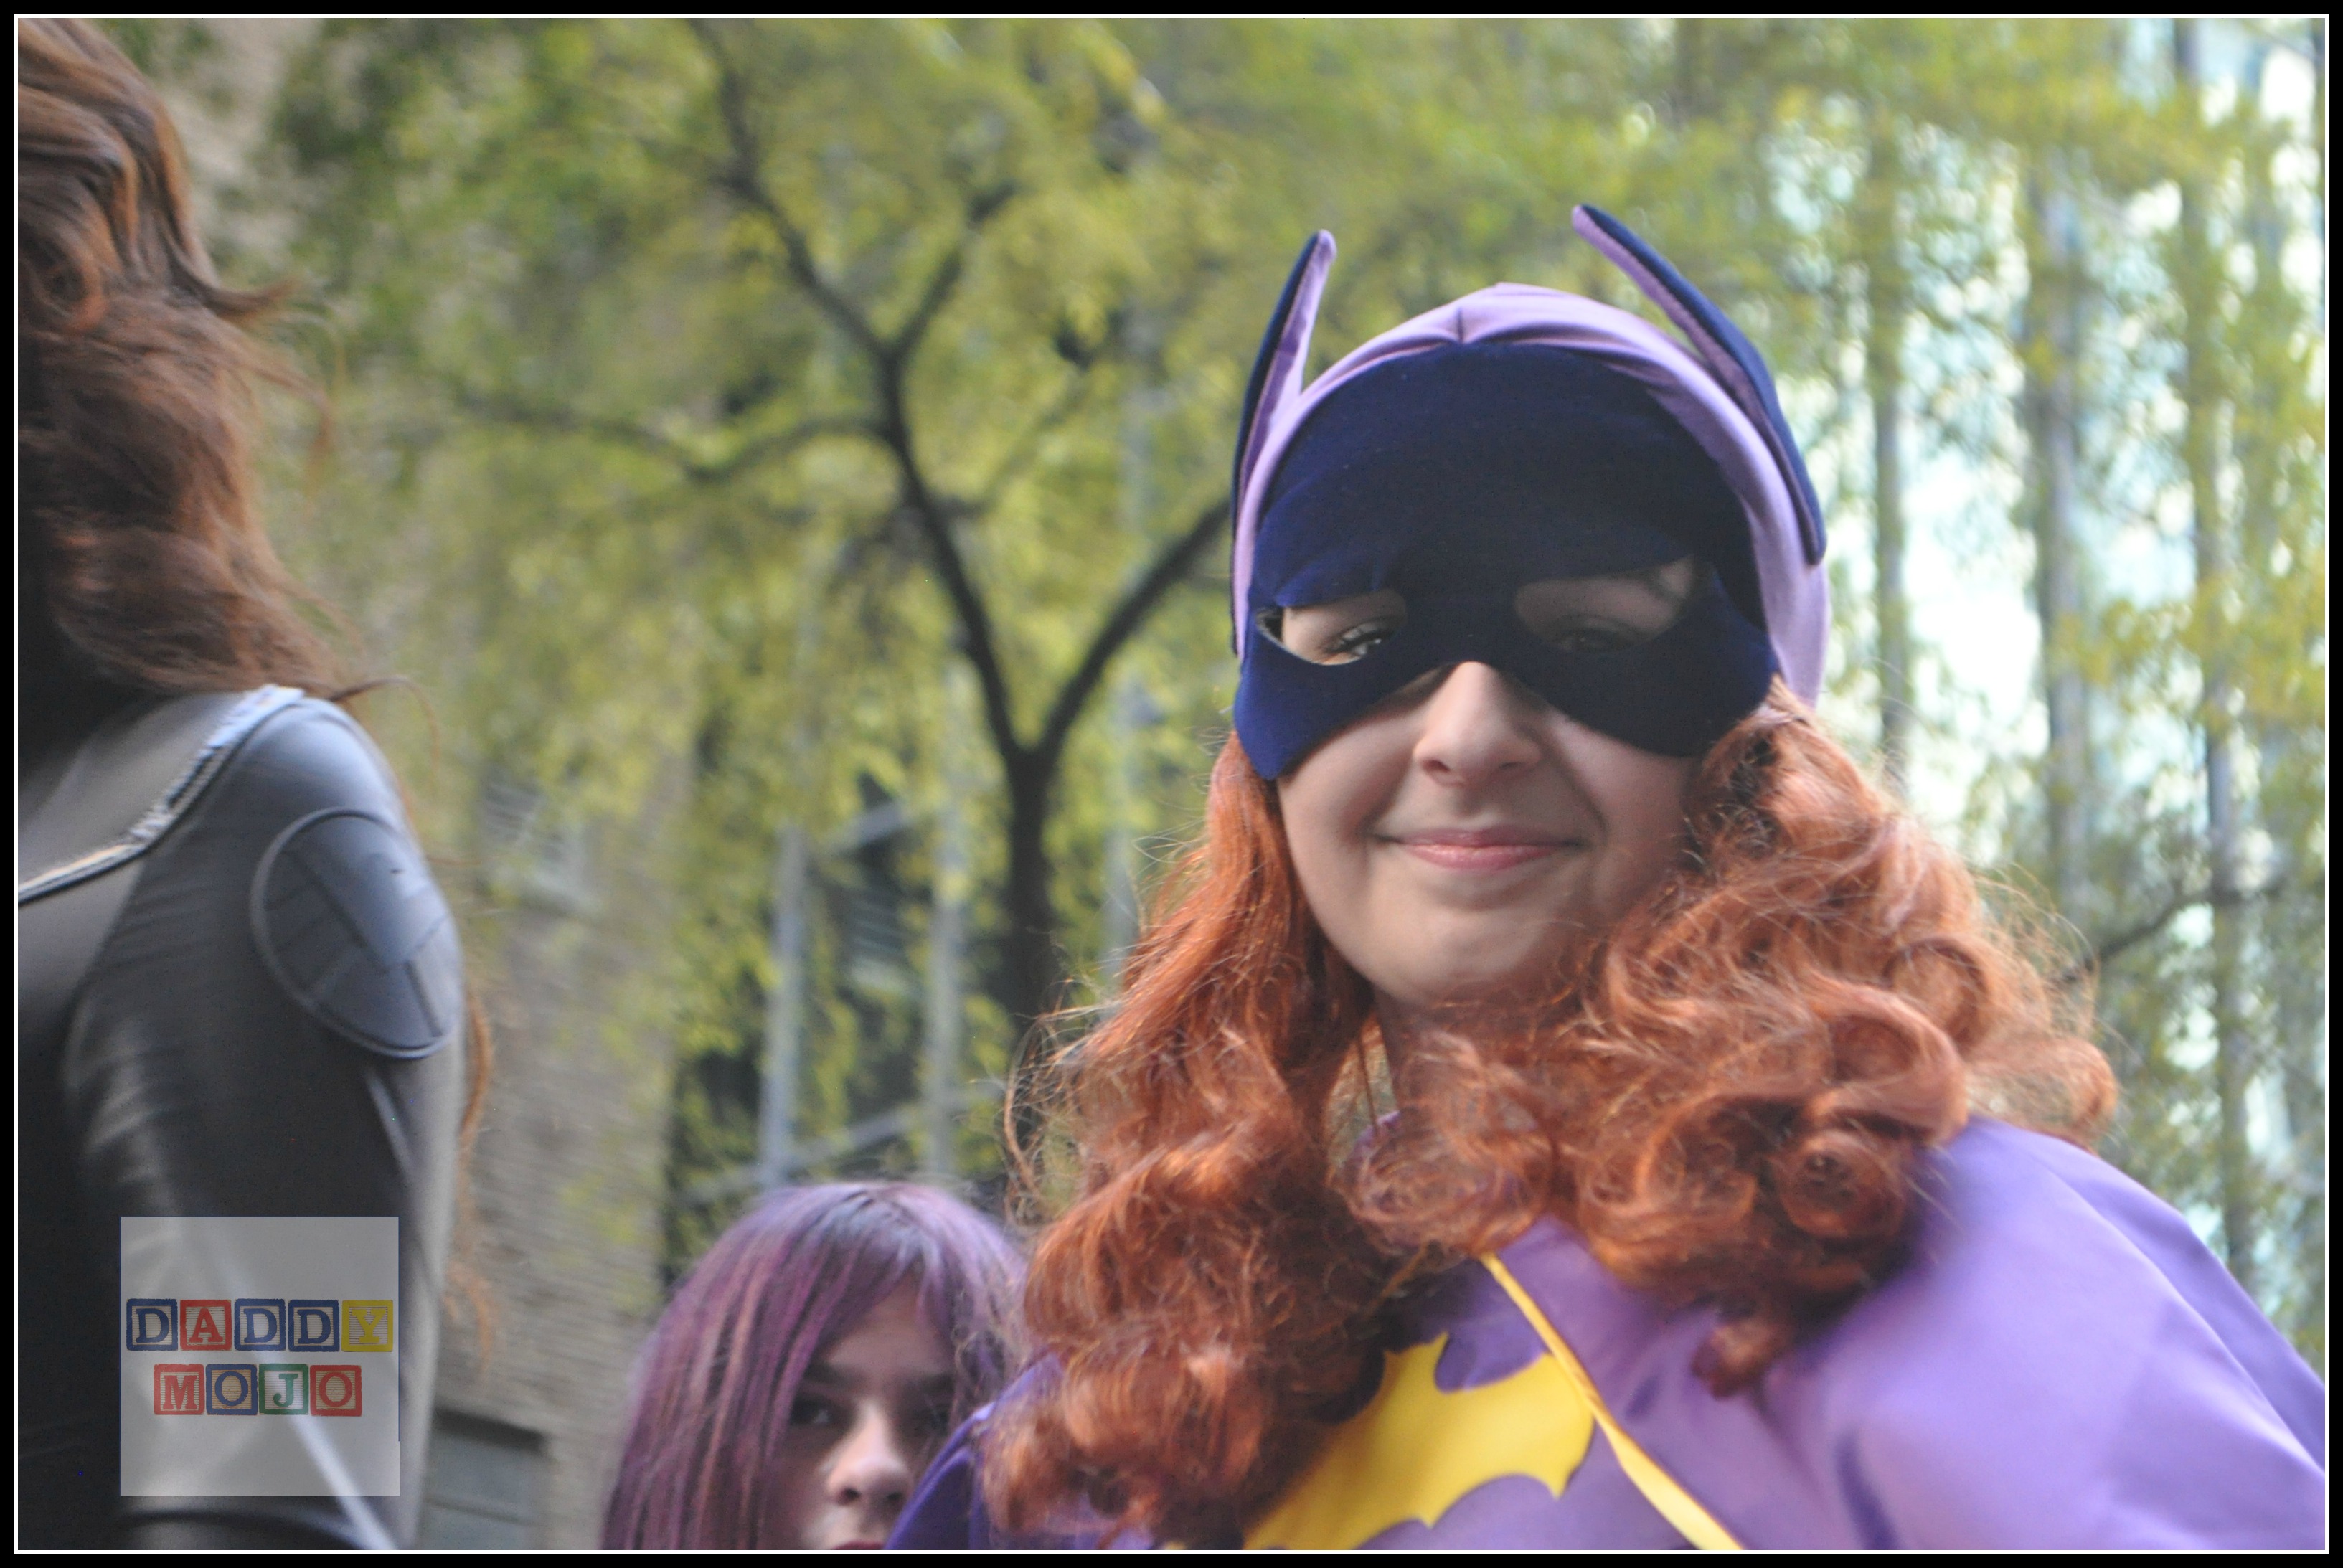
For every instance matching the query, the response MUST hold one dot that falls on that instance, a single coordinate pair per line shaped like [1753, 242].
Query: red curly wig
[1725, 1097]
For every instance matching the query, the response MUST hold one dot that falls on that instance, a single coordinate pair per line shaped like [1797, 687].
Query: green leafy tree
[707, 393]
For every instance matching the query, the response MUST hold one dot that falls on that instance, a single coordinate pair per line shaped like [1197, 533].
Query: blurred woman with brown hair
[240, 994]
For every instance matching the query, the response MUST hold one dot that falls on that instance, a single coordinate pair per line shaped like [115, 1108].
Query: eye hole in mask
[1576, 615]
[1605, 614]
[1340, 632]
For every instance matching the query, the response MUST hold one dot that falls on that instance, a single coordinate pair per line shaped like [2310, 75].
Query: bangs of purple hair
[712, 1391]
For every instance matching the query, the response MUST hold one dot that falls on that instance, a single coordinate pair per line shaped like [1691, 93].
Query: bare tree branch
[505, 410]
[743, 177]
[984, 206]
[933, 515]
[890, 355]
[1028, 442]
[1031, 965]
[1172, 563]
[2106, 949]
[781, 444]
[498, 409]
[977, 642]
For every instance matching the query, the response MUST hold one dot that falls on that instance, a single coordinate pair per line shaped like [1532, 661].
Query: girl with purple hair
[810, 1366]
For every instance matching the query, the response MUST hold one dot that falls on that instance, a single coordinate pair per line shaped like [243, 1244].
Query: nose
[1474, 732]
[872, 1470]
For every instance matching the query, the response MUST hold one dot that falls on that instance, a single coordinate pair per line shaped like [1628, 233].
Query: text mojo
[257, 1327]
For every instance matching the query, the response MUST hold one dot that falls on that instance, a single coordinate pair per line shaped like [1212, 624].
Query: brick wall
[567, 1176]
[567, 1183]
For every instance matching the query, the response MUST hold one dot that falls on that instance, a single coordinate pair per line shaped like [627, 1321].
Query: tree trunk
[1031, 957]
[1688, 94]
[2053, 333]
[943, 1080]
[785, 1008]
[1031, 971]
[2201, 399]
[1887, 300]
[2298, 1004]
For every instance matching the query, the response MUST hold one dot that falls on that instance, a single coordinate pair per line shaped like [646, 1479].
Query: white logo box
[261, 1455]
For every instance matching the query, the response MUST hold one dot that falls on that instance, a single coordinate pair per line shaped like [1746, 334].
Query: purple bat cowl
[1521, 437]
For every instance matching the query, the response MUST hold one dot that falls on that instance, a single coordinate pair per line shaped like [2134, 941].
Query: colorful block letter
[336, 1391]
[178, 1389]
[313, 1326]
[365, 1326]
[231, 1389]
[203, 1325]
[260, 1324]
[284, 1388]
[152, 1325]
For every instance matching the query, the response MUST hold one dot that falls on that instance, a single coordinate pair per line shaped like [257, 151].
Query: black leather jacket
[239, 993]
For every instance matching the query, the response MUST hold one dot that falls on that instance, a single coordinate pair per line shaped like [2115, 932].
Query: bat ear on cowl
[1731, 358]
[1277, 368]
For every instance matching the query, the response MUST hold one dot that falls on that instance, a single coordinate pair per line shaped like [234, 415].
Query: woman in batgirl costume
[1568, 1105]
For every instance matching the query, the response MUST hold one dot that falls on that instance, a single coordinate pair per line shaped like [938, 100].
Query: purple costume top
[2060, 1364]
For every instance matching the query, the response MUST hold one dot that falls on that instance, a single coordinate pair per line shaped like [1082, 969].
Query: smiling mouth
[1484, 848]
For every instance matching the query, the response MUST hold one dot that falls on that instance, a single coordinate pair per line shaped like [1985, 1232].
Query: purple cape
[2060, 1364]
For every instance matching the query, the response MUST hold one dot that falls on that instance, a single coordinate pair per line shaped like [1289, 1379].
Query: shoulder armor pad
[350, 921]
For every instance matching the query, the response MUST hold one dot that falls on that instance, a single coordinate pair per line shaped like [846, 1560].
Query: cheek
[1329, 878]
[1645, 806]
[1330, 804]
[797, 1494]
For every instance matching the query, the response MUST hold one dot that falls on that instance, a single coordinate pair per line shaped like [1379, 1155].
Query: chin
[1451, 992]
[1469, 981]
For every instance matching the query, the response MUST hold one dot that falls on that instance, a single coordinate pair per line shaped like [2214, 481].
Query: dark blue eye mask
[1504, 475]
[1456, 478]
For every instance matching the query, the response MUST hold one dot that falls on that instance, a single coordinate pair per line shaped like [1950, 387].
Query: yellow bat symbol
[1414, 1450]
